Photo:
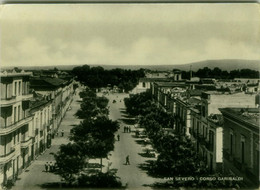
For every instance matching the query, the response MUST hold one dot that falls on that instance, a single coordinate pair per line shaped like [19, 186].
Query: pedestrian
[62, 133]
[127, 162]
[129, 129]
[118, 137]
[46, 166]
[124, 129]
[51, 167]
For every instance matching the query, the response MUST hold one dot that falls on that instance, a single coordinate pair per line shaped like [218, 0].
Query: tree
[88, 109]
[101, 127]
[137, 103]
[70, 161]
[177, 153]
[96, 136]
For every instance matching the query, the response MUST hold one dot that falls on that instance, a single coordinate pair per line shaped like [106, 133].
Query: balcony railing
[8, 101]
[27, 96]
[203, 141]
[8, 129]
[13, 99]
[26, 143]
[5, 158]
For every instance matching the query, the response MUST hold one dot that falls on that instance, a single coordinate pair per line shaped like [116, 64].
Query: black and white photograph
[123, 94]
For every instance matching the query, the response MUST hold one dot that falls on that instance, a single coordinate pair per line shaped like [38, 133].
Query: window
[14, 137]
[203, 111]
[19, 107]
[18, 135]
[242, 149]
[211, 140]
[14, 114]
[257, 160]
[203, 130]
[19, 88]
[15, 88]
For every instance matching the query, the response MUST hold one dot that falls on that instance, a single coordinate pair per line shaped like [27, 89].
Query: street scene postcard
[129, 95]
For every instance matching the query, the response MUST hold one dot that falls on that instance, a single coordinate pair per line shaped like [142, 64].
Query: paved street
[131, 174]
[34, 176]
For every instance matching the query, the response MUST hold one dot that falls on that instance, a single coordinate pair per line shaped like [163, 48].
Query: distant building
[156, 74]
[144, 84]
[241, 143]
[162, 92]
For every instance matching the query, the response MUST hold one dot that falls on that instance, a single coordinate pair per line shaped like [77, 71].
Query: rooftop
[170, 84]
[153, 79]
[194, 101]
[46, 81]
[10, 73]
[249, 115]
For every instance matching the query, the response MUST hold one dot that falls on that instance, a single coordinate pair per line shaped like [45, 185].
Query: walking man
[118, 137]
[46, 166]
[127, 162]
[62, 133]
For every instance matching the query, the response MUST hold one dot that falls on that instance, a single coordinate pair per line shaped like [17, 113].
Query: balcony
[26, 143]
[7, 157]
[27, 96]
[227, 155]
[203, 140]
[8, 101]
[14, 126]
[14, 99]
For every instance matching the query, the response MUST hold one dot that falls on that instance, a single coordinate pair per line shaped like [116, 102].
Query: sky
[127, 34]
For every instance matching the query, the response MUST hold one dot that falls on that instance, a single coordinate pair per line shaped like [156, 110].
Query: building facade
[16, 142]
[241, 143]
[42, 125]
[30, 115]
[60, 92]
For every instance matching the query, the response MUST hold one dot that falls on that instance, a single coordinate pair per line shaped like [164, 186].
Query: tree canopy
[221, 74]
[97, 77]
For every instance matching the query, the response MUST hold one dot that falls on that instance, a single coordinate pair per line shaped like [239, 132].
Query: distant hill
[226, 64]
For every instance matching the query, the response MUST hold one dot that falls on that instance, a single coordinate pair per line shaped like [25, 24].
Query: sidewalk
[34, 176]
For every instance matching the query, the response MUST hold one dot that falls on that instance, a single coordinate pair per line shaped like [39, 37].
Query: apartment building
[42, 124]
[60, 92]
[241, 143]
[16, 144]
[207, 124]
